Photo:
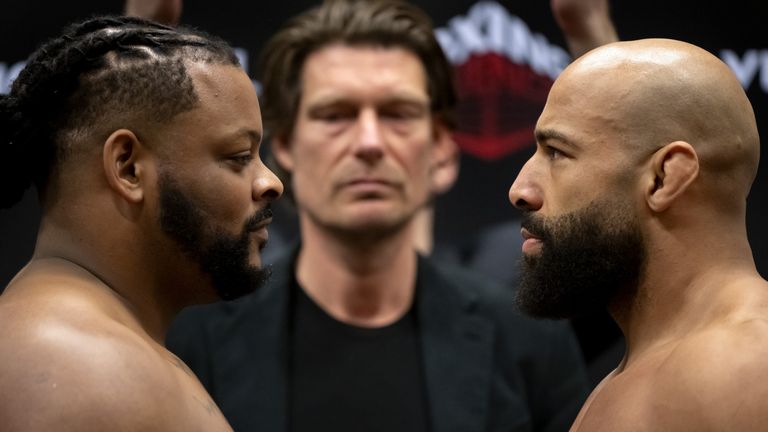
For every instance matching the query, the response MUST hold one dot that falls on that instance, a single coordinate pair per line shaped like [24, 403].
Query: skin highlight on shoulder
[77, 349]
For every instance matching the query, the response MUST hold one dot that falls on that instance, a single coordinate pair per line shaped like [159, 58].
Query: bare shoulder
[710, 379]
[716, 378]
[72, 367]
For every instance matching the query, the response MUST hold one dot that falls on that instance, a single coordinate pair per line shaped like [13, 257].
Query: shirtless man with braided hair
[142, 141]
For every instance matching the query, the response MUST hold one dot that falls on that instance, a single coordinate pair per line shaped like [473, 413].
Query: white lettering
[764, 70]
[492, 18]
[8, 74]
[451, 47]
[488, 27]
[745, 69]
[242, 57]
[518, 41]
[469, 33]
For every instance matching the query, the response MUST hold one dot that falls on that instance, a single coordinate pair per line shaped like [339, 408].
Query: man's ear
[445, 153]
[124, 166]
[674, 167]
[282, 153]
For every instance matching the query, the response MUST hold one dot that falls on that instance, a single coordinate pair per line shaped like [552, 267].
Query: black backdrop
[510, 47]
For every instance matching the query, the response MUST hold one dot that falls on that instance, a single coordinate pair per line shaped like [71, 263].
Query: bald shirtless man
[143, 142]
[635, 199]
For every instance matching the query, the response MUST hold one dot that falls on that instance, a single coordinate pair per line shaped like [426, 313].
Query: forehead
[227, 105]
[225, 90]
[585, 110]
[363, 72]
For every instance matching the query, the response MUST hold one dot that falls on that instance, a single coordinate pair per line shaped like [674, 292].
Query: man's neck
[141, 293]
[685, 290]
[369, 284]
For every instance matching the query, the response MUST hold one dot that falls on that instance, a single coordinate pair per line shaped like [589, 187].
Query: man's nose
[525, 193]
[369, 140]
[266, 185]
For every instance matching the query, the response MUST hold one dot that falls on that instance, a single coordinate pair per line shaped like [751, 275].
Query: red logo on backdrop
[499, 102]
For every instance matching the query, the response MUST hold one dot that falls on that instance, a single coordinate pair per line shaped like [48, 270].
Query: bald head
[645, 154]
[657, 91]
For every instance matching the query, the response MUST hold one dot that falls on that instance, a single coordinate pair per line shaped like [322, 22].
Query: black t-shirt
[348, 378]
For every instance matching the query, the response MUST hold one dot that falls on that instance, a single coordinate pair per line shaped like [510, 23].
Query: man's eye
[398, 115]
[335, 116]
[242, 160]
[403, 112]
[554, 153]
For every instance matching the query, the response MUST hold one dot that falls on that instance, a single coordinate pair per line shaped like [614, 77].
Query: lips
[366, 181]
[531, 243]
[257, 226]
[527, 234]
[261, 235]
[368, 187]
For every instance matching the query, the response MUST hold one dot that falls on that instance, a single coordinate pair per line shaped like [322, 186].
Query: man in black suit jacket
[356, 331]
[486, 368]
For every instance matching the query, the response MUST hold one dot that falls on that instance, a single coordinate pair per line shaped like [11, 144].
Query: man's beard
[224, 257]
[587, 257]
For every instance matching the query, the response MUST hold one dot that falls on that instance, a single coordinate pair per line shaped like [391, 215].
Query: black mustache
[256, 221]
[534, 225]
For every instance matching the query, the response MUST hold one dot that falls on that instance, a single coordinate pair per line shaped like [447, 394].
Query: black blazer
[487, 368]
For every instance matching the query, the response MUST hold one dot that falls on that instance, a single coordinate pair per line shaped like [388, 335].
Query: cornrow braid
[99, 75]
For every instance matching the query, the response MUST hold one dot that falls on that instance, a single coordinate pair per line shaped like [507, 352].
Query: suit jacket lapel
[457, 346]
[262, 392]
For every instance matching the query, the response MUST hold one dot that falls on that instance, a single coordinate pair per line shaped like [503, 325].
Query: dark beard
[225, 258]
[587, 258]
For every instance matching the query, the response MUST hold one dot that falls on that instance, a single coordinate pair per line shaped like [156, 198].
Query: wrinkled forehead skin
[653, 92]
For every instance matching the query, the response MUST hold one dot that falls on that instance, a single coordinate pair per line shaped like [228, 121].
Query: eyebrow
[253, 135]
[396, 98]
[547, 134]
